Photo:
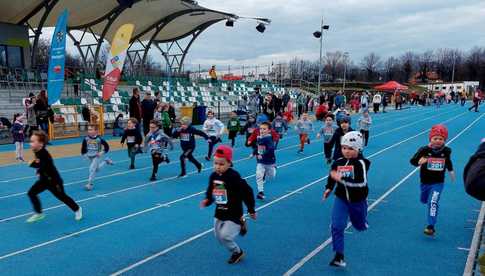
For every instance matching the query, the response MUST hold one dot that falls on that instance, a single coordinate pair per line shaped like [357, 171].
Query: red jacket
[255, 134]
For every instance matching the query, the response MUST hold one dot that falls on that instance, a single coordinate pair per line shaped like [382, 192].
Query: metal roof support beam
[47, 5]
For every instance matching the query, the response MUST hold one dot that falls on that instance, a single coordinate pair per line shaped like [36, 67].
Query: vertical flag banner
[55, 75]
[116, 59]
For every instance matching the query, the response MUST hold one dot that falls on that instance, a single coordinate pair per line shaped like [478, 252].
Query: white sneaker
[88, 187]
[78, 215]
[109, 161]
[35, 217]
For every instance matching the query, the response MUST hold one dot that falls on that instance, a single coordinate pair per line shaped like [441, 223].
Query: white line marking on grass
[326, 243]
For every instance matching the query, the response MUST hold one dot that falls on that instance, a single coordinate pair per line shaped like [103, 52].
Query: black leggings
[327, 148]
[365, 133]
[213, 140]
[56, 189]
[232, 136]
[187, 154]
[157, 158]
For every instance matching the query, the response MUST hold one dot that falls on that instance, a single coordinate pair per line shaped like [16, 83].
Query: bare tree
[371, 64]
[334, 64]
[391, 68]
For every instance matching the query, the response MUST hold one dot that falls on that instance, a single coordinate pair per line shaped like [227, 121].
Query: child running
[249, 129]
[266, 160]
[233, 126]
[343, 129]
[18, 136]
[49, 179]
[133, 140]
[349, 173]
[280, 126]
[364, 125]
[327, 132]
[433, 159]
[157, 142]
[228, 190]
[94, 147]
[214, 129]
[304, 127]
[187, 133]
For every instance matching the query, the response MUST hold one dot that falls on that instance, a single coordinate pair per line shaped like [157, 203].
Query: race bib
[436, 164]
[261, 149]
[210, 127]
[233, 123]
[328, 132]
[346, 171]
[219, 192]
[130, 139]
[277, 124]
[184, 137]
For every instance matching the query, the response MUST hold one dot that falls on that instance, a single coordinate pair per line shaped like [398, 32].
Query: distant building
[467, 86]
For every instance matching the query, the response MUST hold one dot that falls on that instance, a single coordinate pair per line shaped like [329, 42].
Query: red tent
[391, 86]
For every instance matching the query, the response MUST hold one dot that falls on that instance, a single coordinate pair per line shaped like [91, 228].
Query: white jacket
[377, 99]
[213, 127]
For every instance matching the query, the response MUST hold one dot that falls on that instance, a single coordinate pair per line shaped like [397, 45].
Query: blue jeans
[430, 195]
[341, 212]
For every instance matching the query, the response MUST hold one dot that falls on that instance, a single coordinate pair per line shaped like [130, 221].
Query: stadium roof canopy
[156, 21]
[179, 17]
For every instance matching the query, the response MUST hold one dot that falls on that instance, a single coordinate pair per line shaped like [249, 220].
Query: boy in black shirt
[433, 159]
[228, 190]
[49, 179]
[349, 173]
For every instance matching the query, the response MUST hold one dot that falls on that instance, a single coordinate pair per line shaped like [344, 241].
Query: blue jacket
[187, 137]
[266, 150]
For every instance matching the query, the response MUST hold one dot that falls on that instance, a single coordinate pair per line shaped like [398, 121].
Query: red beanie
[438, 130]
[225, 152]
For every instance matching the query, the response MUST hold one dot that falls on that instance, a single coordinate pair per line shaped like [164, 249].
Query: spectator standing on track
[376, 101]
[228, 190]
[147, 111]
[214, 130]
[433, 159]
[134, 105]
[349, 174]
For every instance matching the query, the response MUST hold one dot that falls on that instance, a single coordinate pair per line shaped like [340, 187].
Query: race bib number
[328, 132]
[346, 171]
[261, 149]
[436, 164]
[185, 137]
[233, 123]
[130, 139]
[219, 192]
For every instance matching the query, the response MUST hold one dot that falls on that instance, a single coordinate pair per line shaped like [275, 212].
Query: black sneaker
[167, 160]
[236, 258]
[182, 175]
[153, 178]
[329, 161]
[429, 230]
[308, 141]
[338, 260]
[260, 196]
[132, 167]
[199, 169]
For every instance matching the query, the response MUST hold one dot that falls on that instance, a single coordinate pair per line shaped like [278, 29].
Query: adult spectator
[253, 103]
[376, 101]
[385, 102]
[213, 74]
[42, 112]
[364, 101]
[147, 111]
[340, 100]
[30, 112]
[301, 102]
[135, 107]
[268, 107]
[398, 100]
[278, 104]
[476, 100]
[171, 113]
[474, 173]
[286, 98]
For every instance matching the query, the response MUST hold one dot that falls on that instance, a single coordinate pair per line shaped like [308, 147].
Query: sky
[386, 27]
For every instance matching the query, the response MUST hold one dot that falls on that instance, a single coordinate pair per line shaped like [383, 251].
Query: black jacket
[229, 191]
[335, 142]
[474, 174]
[187, 137]
[45, 167]
[433, 172]
[354, 179]
[135, 108]
[132, 137]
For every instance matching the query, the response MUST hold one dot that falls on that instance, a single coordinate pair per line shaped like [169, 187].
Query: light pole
[346, 55]
[319, 34]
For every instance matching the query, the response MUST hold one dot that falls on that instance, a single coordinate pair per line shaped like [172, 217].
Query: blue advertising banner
[55, 75]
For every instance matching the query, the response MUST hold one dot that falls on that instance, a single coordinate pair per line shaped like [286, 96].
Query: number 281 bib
[436, 164]
[219, 192]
